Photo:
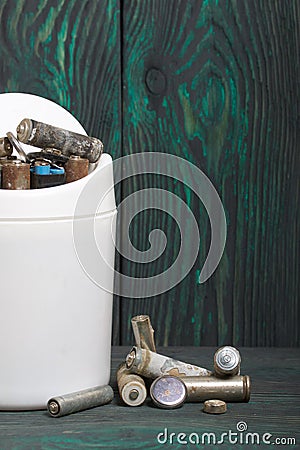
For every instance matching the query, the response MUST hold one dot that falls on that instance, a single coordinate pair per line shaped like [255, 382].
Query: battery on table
[45, 176]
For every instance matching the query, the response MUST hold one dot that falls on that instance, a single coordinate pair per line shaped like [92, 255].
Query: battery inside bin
[67, 327]
[43, 181]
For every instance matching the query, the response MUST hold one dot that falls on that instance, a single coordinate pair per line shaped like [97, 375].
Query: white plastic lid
[95, 191]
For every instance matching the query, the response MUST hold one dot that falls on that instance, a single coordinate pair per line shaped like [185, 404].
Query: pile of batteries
[172, 382]
[176, 382]
[63, 156]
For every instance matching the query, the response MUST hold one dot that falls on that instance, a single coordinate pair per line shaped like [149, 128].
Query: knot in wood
[156, 81]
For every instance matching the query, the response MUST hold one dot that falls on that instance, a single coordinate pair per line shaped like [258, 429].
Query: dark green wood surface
[69, 52]
[215, 82]
[273, 408]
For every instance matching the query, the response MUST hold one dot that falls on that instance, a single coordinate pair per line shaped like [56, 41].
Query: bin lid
[91, 195]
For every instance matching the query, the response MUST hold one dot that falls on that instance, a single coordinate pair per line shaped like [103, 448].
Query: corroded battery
[17, 146]
[131, 387]
[46, 181]
[227, 361]
[6, 147]
[43, 135]
[143, 332]
[79, 401]
[152, 365]
[76, 168]
[15, 175]
[2, 162]
[231, 389]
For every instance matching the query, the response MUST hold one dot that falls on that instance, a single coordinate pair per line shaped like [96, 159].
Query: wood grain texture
[273, 408]
[217, 83]
[214, 82]
[67, 51]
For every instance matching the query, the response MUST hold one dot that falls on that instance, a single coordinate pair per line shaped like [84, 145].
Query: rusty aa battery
[227, 361]
[15, 175]
[152, 365]
[79, 401]
[2, 161]
[76, 168]
[6, 148]
[232, 389]
[42, 135]
[51, 151]
[132, 387]
[143, 332]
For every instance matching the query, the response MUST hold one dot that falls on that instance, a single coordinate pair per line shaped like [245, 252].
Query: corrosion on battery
[131, 387]
[6, 147]
[76, 168]
[15, 175]
[80, 401]
[168, 392]
[227, 361]
[143, 332]
[152, 365]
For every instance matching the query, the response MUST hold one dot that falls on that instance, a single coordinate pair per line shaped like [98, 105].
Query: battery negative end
[53, 407]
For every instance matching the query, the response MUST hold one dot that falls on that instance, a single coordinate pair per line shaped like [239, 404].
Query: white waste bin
[55, 322]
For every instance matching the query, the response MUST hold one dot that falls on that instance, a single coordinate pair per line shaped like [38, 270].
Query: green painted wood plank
[215, 82]
[273, 408]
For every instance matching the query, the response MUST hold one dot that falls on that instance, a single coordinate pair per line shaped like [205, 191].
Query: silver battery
[131, 387]
[168, 392]
[143, 332]
[227, 361]
[43, 135]
[79, 401]
[231, 389]
[152, 365]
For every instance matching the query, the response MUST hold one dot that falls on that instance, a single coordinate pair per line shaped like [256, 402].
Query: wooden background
[215, 82]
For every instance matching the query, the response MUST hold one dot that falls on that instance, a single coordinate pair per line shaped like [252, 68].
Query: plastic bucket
[55, 322]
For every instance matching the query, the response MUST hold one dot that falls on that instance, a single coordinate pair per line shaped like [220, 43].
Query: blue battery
[56, 171]
[41, 168]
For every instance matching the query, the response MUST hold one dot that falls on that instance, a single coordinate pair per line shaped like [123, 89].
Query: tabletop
[270, 417]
